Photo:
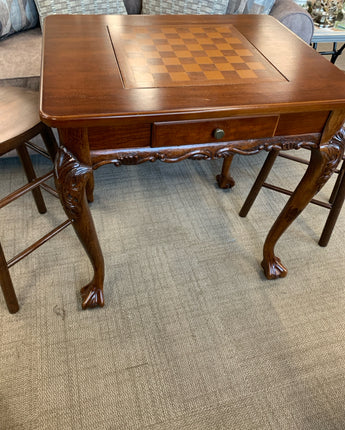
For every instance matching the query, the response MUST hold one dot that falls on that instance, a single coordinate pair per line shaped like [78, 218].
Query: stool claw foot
[273, 268]
[92, 296]
[225, 182]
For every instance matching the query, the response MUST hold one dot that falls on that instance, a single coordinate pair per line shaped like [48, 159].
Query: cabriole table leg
[322, 164]
[225, 179]
[74, 182]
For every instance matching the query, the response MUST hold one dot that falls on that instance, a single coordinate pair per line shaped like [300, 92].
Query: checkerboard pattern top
[168, 56]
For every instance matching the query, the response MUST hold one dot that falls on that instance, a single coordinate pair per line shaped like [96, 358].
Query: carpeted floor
[192, 335]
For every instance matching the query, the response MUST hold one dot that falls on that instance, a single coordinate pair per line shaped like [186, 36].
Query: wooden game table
[130, 89]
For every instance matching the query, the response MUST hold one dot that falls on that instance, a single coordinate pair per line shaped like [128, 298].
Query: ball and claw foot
[92, 296]
[224, 182]
[274, 268]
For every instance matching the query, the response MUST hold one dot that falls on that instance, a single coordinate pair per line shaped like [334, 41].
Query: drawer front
[177, 133]
[301, 123]
[119, 136]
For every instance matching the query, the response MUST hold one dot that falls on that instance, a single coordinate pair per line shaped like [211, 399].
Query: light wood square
[234, 59]
[214, 53]
[256, 66]
[225, 67]
[164, 48]
[244, 52]
[246, 74]
[184, 54]
[157, 68]
[192, 67]
[171, 61]
[203, 60]
[179, 76]
[214, 75]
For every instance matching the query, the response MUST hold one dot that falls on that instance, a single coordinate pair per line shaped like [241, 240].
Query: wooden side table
[131, 89]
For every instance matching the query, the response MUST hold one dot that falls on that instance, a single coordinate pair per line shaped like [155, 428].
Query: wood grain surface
[193, 55]
[132, 89]
[82, 83]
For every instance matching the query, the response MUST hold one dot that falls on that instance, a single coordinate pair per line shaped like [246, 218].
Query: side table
[131, 89]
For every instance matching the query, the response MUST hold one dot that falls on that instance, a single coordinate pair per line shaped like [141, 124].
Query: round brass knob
[218, 133]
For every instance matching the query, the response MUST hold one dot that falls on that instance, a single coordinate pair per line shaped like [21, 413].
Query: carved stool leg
[224, 179]
[322, 164]
[72, 179]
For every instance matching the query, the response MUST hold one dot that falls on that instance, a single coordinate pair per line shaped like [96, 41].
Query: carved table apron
[130, 89]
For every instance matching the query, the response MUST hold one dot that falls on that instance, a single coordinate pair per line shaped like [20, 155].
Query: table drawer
[119, 136]
[176, 133]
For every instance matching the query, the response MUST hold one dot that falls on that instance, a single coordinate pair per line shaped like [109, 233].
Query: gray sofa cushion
[163, 7]
[20, 58]
[17, 15]
[250, 6]
[52, 7]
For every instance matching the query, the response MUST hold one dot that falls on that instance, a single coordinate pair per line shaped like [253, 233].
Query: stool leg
[262, 176]
[7, 286]
[31, 175]
[334, 213]
[337, 183]
[49, 140]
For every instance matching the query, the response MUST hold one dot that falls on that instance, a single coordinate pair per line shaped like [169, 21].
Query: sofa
[20, 48]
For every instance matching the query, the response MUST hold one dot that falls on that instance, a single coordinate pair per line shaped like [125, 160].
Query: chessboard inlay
[169, 56]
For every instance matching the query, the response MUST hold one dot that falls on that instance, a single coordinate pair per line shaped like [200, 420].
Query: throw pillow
[83, 7]
[184, 7]
[250, 6]
[17, 15]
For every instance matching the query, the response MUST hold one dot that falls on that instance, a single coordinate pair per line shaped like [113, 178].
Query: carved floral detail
[206, 152]
[71, 177]
[333, 153]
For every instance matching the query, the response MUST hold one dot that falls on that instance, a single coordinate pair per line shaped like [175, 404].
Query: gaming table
[130, 89]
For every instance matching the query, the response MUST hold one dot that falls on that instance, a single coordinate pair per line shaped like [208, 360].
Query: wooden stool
[19, 122]
[334, 204]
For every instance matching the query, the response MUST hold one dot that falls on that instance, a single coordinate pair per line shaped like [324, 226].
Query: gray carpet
[192, 335]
